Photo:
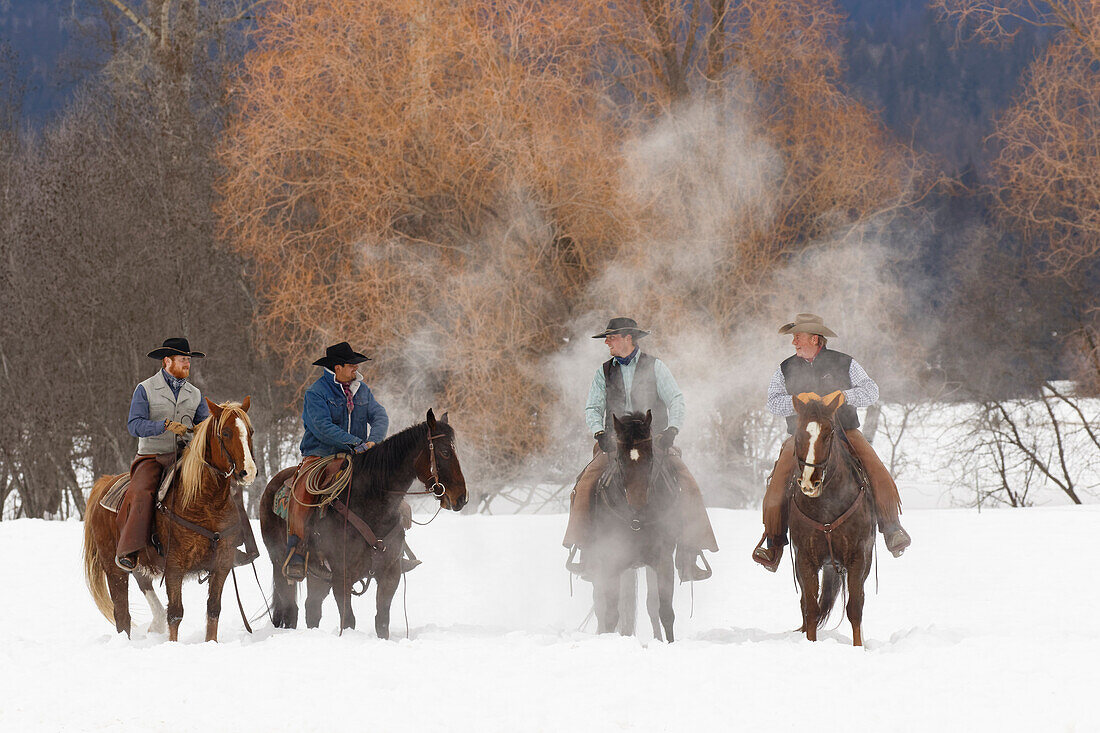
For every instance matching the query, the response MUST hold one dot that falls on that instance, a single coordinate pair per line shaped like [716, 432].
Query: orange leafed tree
[431, 181]
[447, 184]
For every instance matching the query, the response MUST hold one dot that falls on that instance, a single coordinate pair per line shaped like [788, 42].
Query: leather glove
[363, 447]
[666, 437]
[175, 427]
[607, 443]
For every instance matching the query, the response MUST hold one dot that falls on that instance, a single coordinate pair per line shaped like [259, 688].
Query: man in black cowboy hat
[340, 415]
[815, 368]
[632, 380]
[163, 409]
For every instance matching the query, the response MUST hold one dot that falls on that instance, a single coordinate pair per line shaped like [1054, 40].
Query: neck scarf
[624, 360]
[173, 383]
[348, 395]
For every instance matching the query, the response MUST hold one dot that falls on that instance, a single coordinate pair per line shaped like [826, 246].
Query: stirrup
[126, 563]
[295, 577]
[897, 540]
[575, 567]
[240, 557]
[689, 571]
[768, 557]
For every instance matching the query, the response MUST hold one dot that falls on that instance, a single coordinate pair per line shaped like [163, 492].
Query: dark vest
[828, 372]
[643, 393]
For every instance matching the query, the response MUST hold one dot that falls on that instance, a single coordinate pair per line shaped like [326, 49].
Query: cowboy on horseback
[630, 381]
[163, 410]
[340, 416]
[816, 368]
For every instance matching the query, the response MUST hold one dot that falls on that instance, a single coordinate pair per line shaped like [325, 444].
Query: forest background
[467, 190]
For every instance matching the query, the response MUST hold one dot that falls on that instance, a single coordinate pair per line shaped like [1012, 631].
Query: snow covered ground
[984, 624]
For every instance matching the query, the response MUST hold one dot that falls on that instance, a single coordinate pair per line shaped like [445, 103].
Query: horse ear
[246, 402]
[829, 399]
[215, 410]
[648, 418]
[443, 419]
[431, 419]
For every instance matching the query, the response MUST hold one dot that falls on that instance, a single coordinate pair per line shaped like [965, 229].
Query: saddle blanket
[112, 498]
[282, 500]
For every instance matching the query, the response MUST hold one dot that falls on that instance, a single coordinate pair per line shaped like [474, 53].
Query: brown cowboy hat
[623, 326]
[175, 347]
[807, 323]
[340, 353]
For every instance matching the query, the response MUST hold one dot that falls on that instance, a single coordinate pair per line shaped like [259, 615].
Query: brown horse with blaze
[832, 517]
[198, 525]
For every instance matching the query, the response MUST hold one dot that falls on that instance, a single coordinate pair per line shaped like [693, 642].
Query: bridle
[221, 441]
[823, 465]
[432, 484]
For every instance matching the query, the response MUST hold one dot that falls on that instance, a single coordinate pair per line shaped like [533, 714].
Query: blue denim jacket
[328, 429]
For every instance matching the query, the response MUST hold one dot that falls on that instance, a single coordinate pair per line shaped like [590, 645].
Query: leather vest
[163, 406]
[828, 372]
[643, 393]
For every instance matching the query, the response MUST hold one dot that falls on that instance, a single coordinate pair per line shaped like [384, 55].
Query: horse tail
[93, 571]
[831, 582]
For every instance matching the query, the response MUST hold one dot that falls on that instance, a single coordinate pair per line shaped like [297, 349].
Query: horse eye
[444, 453]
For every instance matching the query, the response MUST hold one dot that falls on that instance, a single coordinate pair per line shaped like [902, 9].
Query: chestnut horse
[367, 542]
[832, 519]
[635, 523]
[198, 526]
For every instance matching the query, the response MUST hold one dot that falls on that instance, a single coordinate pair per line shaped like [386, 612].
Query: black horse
[635, 522]
[832, 517]
[368, 541]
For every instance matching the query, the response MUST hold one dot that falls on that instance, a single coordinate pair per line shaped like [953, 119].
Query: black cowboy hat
[175, 347]
[623, 326]
[340, 353]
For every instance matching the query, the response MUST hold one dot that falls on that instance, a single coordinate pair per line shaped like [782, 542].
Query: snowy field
[985, 624]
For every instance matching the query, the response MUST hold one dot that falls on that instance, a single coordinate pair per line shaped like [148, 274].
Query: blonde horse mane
[194, 464]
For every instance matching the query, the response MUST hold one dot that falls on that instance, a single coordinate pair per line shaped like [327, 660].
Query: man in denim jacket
[340, 415]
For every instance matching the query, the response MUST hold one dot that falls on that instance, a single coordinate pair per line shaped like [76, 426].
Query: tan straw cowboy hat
[807, 323]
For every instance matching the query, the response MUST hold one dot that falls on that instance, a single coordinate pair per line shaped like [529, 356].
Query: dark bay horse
[381, 477]
[832, 519]
[635, 523]
[198, 526]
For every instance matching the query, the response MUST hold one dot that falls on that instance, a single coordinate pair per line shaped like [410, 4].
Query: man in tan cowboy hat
[632, 380]
[815, 368]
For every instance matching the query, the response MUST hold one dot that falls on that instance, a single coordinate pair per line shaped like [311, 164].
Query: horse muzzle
[811, 489]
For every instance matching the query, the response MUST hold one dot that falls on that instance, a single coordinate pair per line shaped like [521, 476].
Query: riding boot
[885, 492]
[775, 510]
[297, 519]
[135, 515]
[294, 567]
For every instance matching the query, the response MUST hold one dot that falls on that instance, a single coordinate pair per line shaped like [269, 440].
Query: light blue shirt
[667, 390]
